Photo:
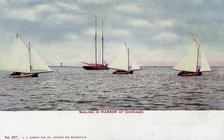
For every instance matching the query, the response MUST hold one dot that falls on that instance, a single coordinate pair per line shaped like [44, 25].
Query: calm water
[153, 88]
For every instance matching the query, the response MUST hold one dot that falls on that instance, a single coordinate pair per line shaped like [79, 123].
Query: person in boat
[16, 73]
[120, 70]
[183, 72]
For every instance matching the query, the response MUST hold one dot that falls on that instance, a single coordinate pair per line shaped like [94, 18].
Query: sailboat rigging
[121, 62]
[96, 66]
[189, 64]
[23, 60]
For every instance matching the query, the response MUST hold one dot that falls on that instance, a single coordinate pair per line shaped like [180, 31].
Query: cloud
[71, 6]
[3, 2]
[90, 31]
[95, 1]
[140, 23]
[23, 14]
[71, 36]
[133, 8]
[30, 14]
[120, 32]
[44, 8]
[197, 2]
[166, 37]
[62, 18]
[165, 23]
[52, 10]
[112, 32]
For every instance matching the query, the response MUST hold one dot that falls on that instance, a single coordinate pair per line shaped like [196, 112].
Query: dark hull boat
[22, 75]
[122, 72]
[186, 73]
[96, 67]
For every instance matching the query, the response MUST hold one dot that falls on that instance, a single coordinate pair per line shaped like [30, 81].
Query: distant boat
[23, 61]
[121, 63]
[193, 63]
[96, 66]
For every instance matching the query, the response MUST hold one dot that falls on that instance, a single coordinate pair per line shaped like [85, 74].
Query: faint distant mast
[61, 64]
[95, 40]
[102, 44]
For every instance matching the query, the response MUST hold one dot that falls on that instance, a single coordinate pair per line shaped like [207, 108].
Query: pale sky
[158, 32]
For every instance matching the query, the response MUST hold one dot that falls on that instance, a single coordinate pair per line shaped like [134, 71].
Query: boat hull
[22, 75]
[186, 73]
[96, 67]
[122, 72]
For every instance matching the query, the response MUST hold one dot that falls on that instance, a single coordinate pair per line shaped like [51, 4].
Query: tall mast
[128, 58]
[30, 58]
[197, 46]
[102, 44]
[28, 47]
[95, 40]
[198, 54]
[127, 49]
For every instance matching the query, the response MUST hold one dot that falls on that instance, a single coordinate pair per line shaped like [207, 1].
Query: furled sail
[204, 63]
[189, 61]
[121, 61]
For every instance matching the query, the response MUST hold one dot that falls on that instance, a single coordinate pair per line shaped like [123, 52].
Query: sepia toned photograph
[128, 57]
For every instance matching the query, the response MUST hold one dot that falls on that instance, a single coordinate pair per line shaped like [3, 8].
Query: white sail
[121, 61]
[16, 58]
[134, 65]
[189, 61]
[37, 63]
[204, 63]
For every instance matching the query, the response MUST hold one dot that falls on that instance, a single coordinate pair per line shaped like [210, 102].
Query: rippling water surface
[153, 88]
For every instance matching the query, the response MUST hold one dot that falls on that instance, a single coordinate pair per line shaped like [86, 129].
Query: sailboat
[193, 63]
[96, 66]
[121, 62]
[23, 60]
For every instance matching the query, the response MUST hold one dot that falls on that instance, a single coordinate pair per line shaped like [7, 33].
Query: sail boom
[15, 70]
[205, 70]
[185, 70]
[43, 72]
[118, 69]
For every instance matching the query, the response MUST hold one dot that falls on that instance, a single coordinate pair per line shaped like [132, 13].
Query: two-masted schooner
[121, 63]
[23, 60]
[193, 63]
[97, 66]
